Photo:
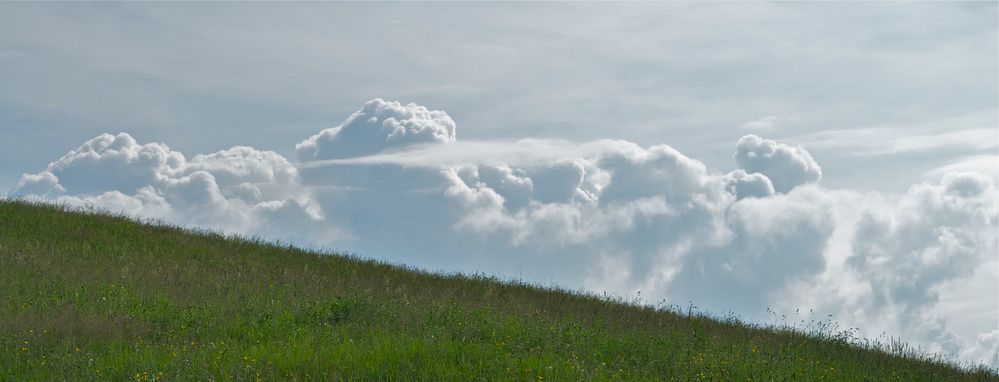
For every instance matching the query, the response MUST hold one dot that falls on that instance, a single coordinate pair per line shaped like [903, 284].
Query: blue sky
[836, 157]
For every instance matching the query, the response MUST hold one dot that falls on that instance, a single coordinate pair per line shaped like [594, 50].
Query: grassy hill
[97, 297]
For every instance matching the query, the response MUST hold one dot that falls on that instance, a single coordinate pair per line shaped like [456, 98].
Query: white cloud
[895, 140]
[786, 166]
[937, 232]
[377, 126]
[743, 184]
[113, 162]
[43, 183]
[983, 164]
[763, 124]
[902, 252]
[232, 190]
[519, 153]
[608, 215]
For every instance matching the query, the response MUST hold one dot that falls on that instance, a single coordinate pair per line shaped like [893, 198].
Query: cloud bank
[393, 182]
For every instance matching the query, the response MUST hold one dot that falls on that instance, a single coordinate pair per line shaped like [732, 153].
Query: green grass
[100, 297]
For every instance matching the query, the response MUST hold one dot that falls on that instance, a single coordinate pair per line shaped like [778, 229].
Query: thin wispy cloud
[986, 164]
[767, 123]
[885, 141]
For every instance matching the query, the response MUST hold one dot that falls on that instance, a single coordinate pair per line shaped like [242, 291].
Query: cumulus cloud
[892, 256]
[233, 189]
[935, 234]
[769, 243]
[377, 126]
[105, 163]
[786, 166]
[744, 184]
[43, 183]
[605, 215]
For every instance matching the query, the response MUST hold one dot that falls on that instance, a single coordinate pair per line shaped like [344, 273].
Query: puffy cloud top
[230, 189]
[106, 162]
[744, 184]
[377, 126]
[786, 166]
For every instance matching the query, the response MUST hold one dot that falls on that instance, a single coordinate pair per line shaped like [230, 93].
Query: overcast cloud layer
[393, 182]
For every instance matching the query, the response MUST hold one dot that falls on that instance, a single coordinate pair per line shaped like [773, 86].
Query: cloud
[982, 164]
[110, 162]
[555, 73]
[764, 124]
[744, 184]
[936, 233]
[392, 182]
[519, 153]
[770, 243]
[43, 183]
[900, 255]
[786, 166]
[376, 127]
[232, 190]
[894, 140]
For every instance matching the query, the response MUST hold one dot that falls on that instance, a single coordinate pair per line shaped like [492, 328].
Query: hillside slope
[96, 297]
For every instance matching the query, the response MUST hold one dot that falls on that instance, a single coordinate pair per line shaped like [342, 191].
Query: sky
[838, 159]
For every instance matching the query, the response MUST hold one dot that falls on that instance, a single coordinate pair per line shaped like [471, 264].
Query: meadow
[87, 296]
